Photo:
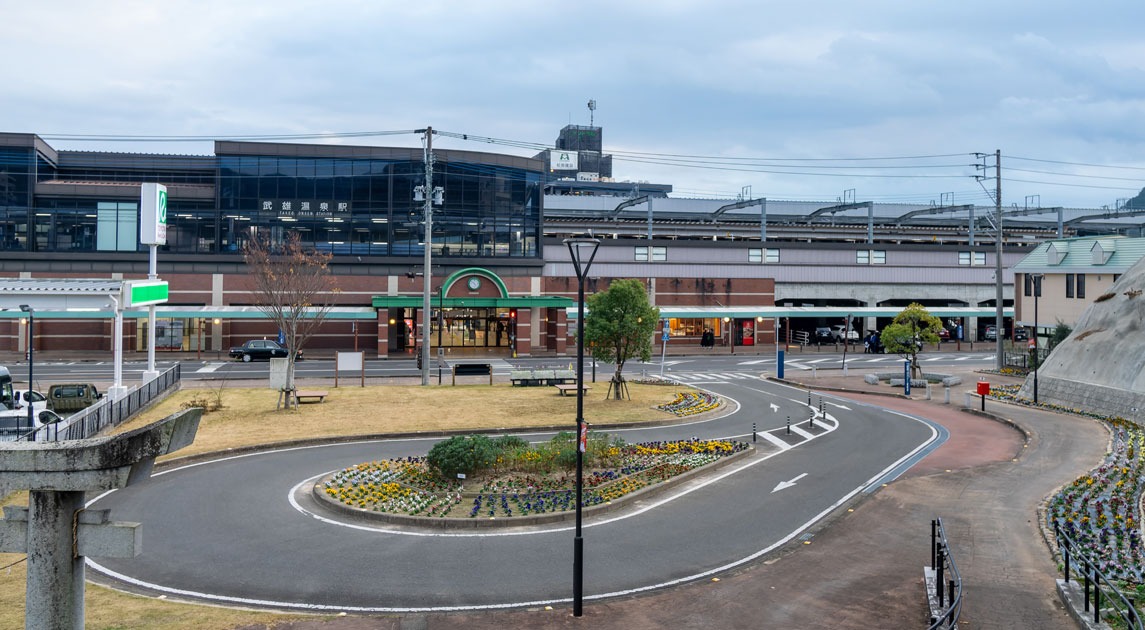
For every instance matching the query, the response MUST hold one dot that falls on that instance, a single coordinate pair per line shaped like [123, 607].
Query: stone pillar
[55, 531]
[525, 332]
[562, 334]
[55, 584]
[384, 333]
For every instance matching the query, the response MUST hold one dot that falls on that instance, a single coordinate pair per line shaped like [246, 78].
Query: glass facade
[345, 205]
[368, 206]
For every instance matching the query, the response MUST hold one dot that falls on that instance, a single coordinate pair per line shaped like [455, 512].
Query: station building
[751, 270]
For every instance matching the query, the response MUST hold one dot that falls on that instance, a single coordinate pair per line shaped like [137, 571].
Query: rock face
[1100, 367]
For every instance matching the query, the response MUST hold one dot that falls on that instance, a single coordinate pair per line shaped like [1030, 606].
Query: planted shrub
[467, 454]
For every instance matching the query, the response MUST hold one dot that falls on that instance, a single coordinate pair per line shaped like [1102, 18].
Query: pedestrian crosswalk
[695, 378]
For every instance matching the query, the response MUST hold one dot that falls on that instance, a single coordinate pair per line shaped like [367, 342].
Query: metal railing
[947, 582]
[1117, 605]
[109, 413]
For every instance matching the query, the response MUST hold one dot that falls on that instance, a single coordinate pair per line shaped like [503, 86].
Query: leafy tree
[911, 328]
[619, 326]
[293, 288]
[1061, 331]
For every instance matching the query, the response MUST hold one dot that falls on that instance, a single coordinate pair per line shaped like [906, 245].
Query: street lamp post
[582, 251]
[1037, 277]
[31, 360]
[731, 334]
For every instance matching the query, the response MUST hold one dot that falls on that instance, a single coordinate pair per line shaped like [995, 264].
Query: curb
[361, 515]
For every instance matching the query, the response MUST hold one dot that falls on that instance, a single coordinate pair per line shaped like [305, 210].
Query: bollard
[939, 579]
[946, 394]
[788, 425]
[811, 420]
[814, 372]
[820, 405]
[753, 432]
[808, 398]
[934, 539]
[928, 390]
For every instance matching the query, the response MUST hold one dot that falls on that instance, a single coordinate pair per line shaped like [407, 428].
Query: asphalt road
[239, 531]
[681, 367]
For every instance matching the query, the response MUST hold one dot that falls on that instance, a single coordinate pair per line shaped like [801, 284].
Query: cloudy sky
[793, 99]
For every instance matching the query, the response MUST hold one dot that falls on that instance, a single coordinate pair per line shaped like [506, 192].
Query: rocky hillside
[1101, 366]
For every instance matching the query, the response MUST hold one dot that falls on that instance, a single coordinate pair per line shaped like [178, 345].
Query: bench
[522, 377]
[563, 376]
[569, 387]
[473, 369]
[310, 395]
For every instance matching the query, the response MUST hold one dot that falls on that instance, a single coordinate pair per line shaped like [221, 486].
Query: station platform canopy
[830, 312]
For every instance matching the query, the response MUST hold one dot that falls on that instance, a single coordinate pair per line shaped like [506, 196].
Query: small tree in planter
[911, 328]
[619, 326]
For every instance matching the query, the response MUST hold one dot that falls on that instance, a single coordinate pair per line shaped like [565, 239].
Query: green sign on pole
[145, 293]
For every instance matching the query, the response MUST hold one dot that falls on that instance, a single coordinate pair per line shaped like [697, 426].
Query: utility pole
[426, 320]
[999, 329]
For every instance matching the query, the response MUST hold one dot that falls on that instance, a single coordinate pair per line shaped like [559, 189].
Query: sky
[875, 100]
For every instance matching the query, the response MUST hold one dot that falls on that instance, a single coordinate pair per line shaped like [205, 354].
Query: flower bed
[690, 403]
[1099, 510]
[407, 487]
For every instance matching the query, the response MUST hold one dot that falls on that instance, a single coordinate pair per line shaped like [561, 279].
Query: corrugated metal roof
[56, 286]
[1079, 255]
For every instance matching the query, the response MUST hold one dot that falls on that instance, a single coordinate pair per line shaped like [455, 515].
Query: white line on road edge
[510, 605]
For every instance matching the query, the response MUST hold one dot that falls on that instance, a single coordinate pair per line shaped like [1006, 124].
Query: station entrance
[472, 327]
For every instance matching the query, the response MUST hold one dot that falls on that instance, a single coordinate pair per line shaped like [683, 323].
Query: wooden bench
[314, 395]
[473, 369]
[569, 387]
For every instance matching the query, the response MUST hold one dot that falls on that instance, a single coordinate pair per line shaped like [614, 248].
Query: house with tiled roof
[1072, 273]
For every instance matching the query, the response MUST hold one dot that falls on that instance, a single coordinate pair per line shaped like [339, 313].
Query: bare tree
[293, 287]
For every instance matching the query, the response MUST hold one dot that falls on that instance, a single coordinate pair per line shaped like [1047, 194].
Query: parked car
[1021, 334]
[71, 397]
[838, 331]
[943, 335]
[822, 335]
[261, 350]
[991, 333]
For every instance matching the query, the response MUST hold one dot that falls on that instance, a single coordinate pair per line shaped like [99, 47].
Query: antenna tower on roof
[591, 109]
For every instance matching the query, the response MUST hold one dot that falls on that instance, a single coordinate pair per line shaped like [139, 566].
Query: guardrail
[1095, 595]
[945, 598]
[108, 413]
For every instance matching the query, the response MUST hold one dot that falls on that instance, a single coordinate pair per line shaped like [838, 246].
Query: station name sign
[306, 208]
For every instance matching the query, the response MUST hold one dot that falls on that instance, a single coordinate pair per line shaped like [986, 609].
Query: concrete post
[55, 585]
[55, 531]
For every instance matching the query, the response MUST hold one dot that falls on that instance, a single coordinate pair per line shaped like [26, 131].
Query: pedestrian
[500, 331]
[707, 340]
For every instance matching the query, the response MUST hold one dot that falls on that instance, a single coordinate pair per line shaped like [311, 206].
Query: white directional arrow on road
[787, 484]
[775, 407]
[837, 405]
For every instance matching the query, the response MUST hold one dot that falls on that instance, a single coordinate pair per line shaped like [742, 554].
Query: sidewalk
[863, 567]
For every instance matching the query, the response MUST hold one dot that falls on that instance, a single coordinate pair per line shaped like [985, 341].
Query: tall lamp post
[582, 251]
[31, 360]
[1037, 278]
[731, 334]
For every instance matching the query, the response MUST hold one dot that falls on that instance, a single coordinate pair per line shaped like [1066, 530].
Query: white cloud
[723, 77]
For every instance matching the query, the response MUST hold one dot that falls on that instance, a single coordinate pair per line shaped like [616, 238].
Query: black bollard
[788, 425]
[753, 432]
[820, 406]
[808, 398]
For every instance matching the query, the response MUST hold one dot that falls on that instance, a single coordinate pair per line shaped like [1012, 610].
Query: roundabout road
[242, 530]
